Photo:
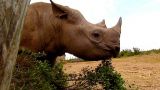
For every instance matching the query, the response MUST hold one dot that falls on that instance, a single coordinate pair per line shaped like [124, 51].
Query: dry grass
[140, 72]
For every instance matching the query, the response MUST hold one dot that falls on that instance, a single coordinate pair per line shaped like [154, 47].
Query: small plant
[103, 76]
[110, 79]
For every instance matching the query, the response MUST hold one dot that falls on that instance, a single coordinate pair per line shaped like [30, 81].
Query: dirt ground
[139, 72]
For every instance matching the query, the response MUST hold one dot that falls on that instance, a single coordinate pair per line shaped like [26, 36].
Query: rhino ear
[102, 24]
[117, 27]
[59, 11]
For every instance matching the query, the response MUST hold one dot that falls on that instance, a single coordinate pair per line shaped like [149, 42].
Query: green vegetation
[32, 72]
[137, 51]
[103, 76]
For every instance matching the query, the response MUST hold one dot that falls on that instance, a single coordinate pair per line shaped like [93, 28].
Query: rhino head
[84, 39]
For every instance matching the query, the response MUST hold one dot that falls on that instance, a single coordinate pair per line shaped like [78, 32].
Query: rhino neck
[51, 28]
[55, 45]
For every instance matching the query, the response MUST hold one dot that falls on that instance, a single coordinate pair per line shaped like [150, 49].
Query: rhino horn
[59, 10]
[102, 24]
[117, 27]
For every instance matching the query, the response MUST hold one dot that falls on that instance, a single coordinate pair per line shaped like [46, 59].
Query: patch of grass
[136, 51]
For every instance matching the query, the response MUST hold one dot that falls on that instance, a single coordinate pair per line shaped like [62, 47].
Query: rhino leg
[51, 59]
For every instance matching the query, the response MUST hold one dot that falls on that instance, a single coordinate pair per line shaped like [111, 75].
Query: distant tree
[136, 51]
[12, 13]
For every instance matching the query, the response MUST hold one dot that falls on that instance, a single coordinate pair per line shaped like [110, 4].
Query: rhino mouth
[111, 50]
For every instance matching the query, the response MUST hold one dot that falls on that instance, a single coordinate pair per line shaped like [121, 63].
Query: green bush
[126, 53]
[110, 79]
[33, 74]
[129, 52]
[103, 76]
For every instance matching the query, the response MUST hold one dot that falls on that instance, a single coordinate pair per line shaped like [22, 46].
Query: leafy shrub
[103, 76]
[33, 74]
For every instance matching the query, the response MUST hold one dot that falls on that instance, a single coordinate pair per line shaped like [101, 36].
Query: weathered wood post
[12, 13]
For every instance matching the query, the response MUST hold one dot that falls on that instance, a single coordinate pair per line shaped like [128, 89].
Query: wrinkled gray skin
[56, 29]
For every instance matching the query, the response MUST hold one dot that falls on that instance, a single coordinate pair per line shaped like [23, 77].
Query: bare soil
[139, 72]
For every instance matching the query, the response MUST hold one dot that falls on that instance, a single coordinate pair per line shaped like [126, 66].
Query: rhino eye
[96, 35]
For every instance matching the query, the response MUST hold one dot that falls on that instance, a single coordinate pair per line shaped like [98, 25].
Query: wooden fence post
[12, 13]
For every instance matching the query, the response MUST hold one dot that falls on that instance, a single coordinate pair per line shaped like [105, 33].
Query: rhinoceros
[56, 29]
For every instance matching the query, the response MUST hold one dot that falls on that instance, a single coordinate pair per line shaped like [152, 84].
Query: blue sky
[141, 19]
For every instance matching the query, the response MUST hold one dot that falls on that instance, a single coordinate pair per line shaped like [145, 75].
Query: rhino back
[37, 31]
